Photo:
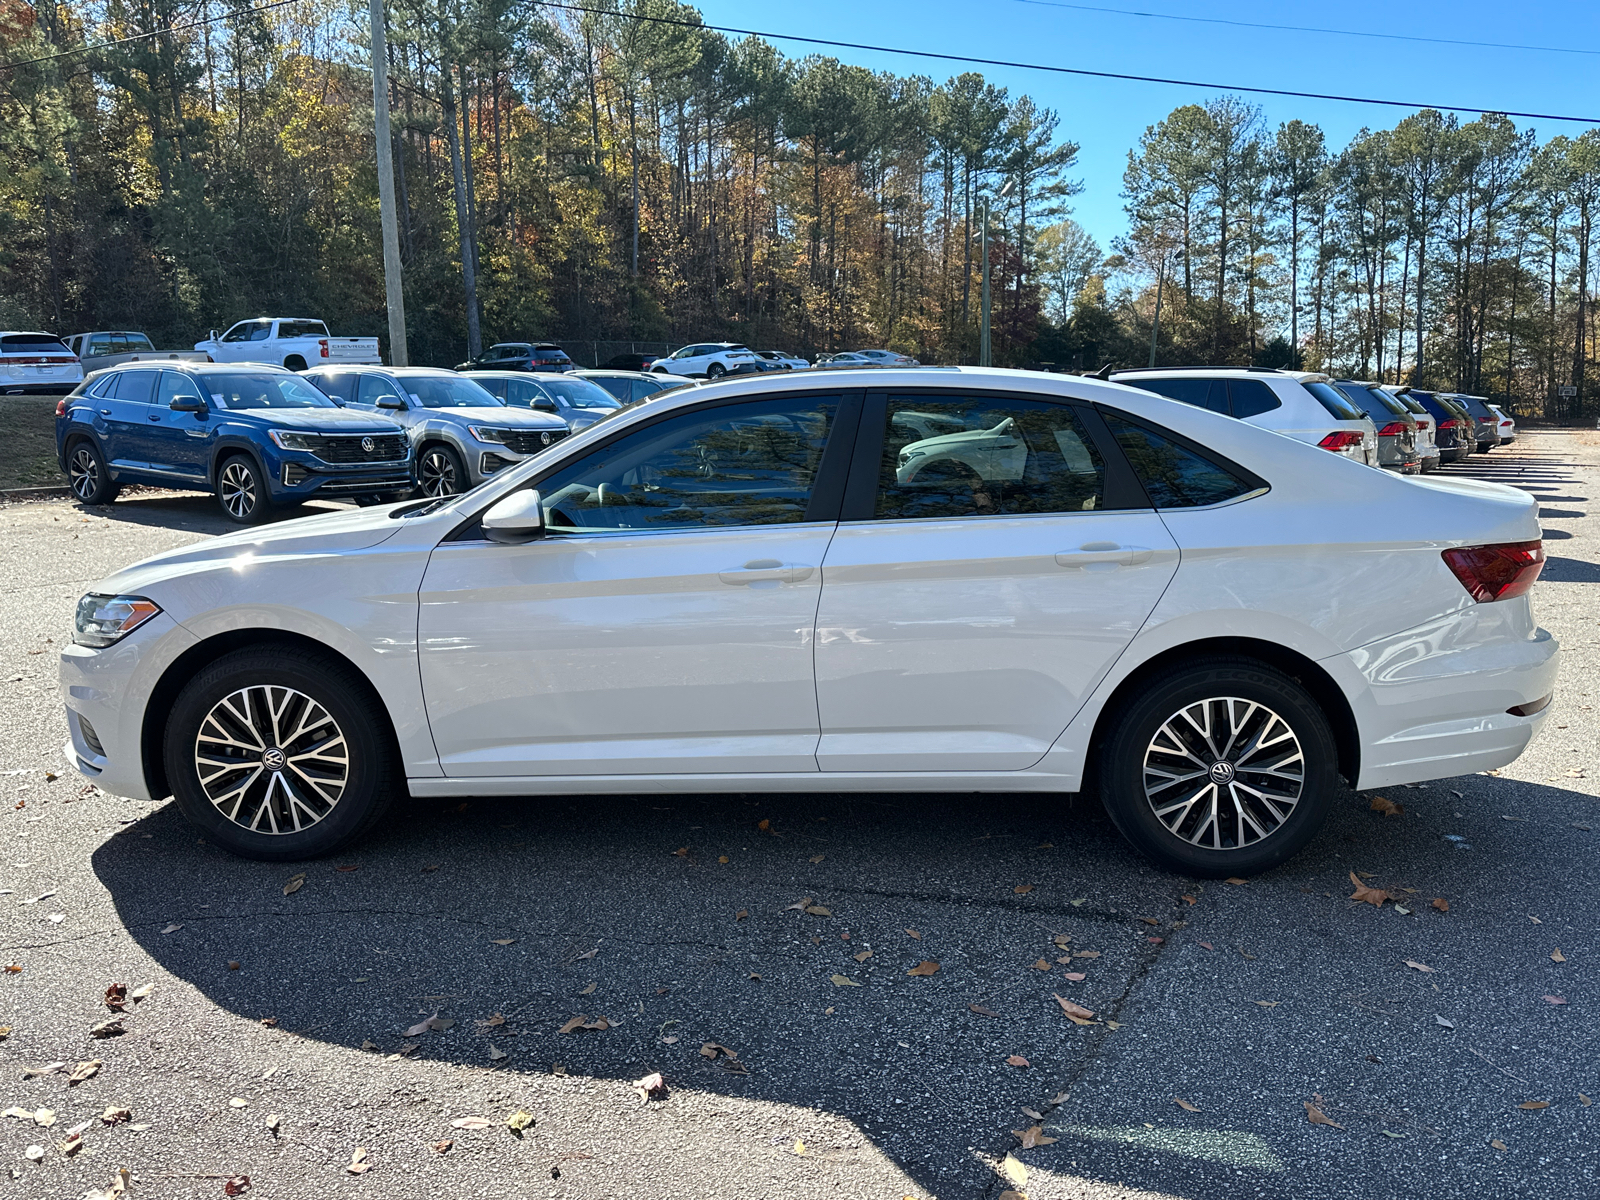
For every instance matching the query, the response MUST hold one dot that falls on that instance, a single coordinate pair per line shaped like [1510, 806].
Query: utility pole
[1161, 280]
[391, 227]
[983, 334]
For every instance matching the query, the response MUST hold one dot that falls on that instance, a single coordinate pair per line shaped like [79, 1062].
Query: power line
[139, 37]
[1392, 37]
[1057, 70]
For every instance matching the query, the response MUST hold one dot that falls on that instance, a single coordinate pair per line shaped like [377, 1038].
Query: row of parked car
[709, 360]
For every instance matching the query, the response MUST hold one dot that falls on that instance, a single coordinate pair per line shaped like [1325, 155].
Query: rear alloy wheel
[1222, 767]
[277, 755]
[440, 472]
[86, 472]
[716, 371]
[242, 491]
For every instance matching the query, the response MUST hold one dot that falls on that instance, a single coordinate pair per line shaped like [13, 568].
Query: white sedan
[737, 588]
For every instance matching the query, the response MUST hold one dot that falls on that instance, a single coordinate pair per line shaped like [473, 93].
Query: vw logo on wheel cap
[1222, 771]
[274, 759]
[368, 445]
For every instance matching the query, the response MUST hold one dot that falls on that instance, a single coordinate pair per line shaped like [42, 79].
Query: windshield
[1340, 407]
[448, 391]
[237, 390]
[579, 393]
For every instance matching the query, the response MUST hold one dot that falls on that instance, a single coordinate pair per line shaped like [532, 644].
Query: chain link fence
[598, 353]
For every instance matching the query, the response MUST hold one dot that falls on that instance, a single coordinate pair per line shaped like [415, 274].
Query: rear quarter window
[1251, 397]
[1174, 474]
[1202, 393]
[300, 329]
[1340, 407]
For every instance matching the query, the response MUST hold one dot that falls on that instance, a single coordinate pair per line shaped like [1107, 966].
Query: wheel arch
[290, 360]
[1306, 672]
[197, 657]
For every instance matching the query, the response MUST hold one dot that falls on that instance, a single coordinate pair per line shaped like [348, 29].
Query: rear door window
[374, 388]
[136, 387]
[1251, 397]
[1176, 475]
[300, 329]
[340, 385]
[1202, 393]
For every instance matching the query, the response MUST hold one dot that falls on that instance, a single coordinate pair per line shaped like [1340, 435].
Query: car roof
[1226, 372]
[29, 333]
[609, 373]
[202, 368]
[363, 367]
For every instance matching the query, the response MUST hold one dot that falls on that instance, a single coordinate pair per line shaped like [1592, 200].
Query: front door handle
[154, 416]
[766, 570]
[1104, 555]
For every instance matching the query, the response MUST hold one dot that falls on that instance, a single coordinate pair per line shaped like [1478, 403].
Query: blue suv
[255, 436]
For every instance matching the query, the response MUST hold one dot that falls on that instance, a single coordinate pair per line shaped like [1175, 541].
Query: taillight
[1450, 424]
[61, 407]
[1393, 429]
[1497, 572]
[1340, 440]
[323, 342]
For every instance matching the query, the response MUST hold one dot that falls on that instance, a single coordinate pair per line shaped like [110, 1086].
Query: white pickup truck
[293, 342]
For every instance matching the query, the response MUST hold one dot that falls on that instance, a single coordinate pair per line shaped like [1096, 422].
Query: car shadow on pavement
[193, 512]
[1569, 570]
[790, 930]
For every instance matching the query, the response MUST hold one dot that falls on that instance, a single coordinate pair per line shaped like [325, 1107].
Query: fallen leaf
[1028, 1112]
[741, 914]
[47, 1069]
[442, 1147]
[651, 1085]
[581, 1021]
[44, 1117]
[1387, 807]
[588, 991]
[236, 1185]
[502, 941]
[233, 964]
[863, 956]
[172, 928]
[799, 1147]
[1442, 904]
[912, 933]
[471, 1123]
[1269, 1003]
[369, 1045]
[108, 1029]
[84, 1071]
[1402, 910]
[115, 1116]
[816, 858]
[841, 981]
[1557, 956]
[799, 905]
[1236, 881]
[1086, 954]
[1075, 976]
[1184, 1104]
[296, 882]
[929, 967]
[1033, 1136]
[1365, 894]
[1014, 1171]
[71, 1146]
[271, 1122]
[492, 1022]
[1497, 1143]
[349, 867]
[1584, 1100]
[816, 910]
[1445, 1021]
[764, 825]
[982, 1011]
[1016, 1060]
[238, 1102]
[1042, 965]
[1416, 966]
[519, 1121]
[1534, 1104]
[1206, 946]
[1150, 920]
[1059, 1098]
[1076, 1013]
[682, 852]
[1535, 919]
[117, 997]
[141, 993]
[1187, 899]
[1555, 999]
[358, 1164]
[1022, 889]
[712, 1050]
[496, 1054]
[723, 859]
[1316, 1116]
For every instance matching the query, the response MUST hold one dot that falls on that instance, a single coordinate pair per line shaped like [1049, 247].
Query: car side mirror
[390, 402]
[213, 335]
[187, 404]
[543, 404]
[517, 518]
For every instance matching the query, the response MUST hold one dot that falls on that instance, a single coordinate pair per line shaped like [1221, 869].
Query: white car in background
[730, 589]
[1508, 427]
[293, 342]
[37, 362]
[711, 359]
[782, 358]
[888, 358]
[1303, 405]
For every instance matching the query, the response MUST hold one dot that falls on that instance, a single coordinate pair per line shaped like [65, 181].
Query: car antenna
[1104, 372]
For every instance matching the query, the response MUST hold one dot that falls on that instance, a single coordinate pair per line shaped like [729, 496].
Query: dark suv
[255, 436]
[520, 356]
[1453, 427]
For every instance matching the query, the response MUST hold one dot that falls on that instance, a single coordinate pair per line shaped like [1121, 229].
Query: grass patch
[28, 442]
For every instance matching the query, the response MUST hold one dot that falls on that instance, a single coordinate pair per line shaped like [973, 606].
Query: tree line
[629, 175]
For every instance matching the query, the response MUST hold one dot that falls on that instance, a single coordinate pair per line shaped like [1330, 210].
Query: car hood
[502, 418]
[317, 420]
[330, 533]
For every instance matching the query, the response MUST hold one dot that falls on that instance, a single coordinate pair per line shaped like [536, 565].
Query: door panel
[179, 441]
[127, 419]
[624, 653]
[965, 626]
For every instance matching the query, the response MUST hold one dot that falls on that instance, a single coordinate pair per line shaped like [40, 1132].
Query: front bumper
[306, 476]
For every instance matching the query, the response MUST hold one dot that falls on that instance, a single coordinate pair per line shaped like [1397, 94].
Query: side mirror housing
[544, 404]
[391, 403]
[517, 518]
[213, 335]
[187, 404]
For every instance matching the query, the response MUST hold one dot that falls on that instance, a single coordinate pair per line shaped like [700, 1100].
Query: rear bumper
[1434, 701]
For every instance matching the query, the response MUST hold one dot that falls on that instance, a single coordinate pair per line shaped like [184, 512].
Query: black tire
[242, 490]
[716, 371]
[1235, 848]
[294, 363]
[357, 805]
[440, 471]
[88, 475]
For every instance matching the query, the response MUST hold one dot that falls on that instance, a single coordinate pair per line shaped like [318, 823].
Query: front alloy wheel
[1219, 767]
[241, 491]
[440, 472]
[271, 759]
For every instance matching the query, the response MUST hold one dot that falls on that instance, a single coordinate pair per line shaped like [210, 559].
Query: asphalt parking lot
[1446, 1036]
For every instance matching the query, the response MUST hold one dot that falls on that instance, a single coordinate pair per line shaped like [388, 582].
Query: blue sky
[1106, 117]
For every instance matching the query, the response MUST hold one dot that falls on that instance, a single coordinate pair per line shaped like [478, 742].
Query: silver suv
[1303, 405]
[462, 434]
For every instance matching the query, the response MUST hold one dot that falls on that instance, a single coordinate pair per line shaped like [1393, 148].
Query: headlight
[286, 440]
[497, 436]
[101, 620]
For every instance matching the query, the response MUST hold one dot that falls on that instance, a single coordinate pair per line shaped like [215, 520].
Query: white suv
[1299, 404]
[711, 359]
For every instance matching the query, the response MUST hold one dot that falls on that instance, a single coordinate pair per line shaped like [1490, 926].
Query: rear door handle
[766, 570]
[1104, 555]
